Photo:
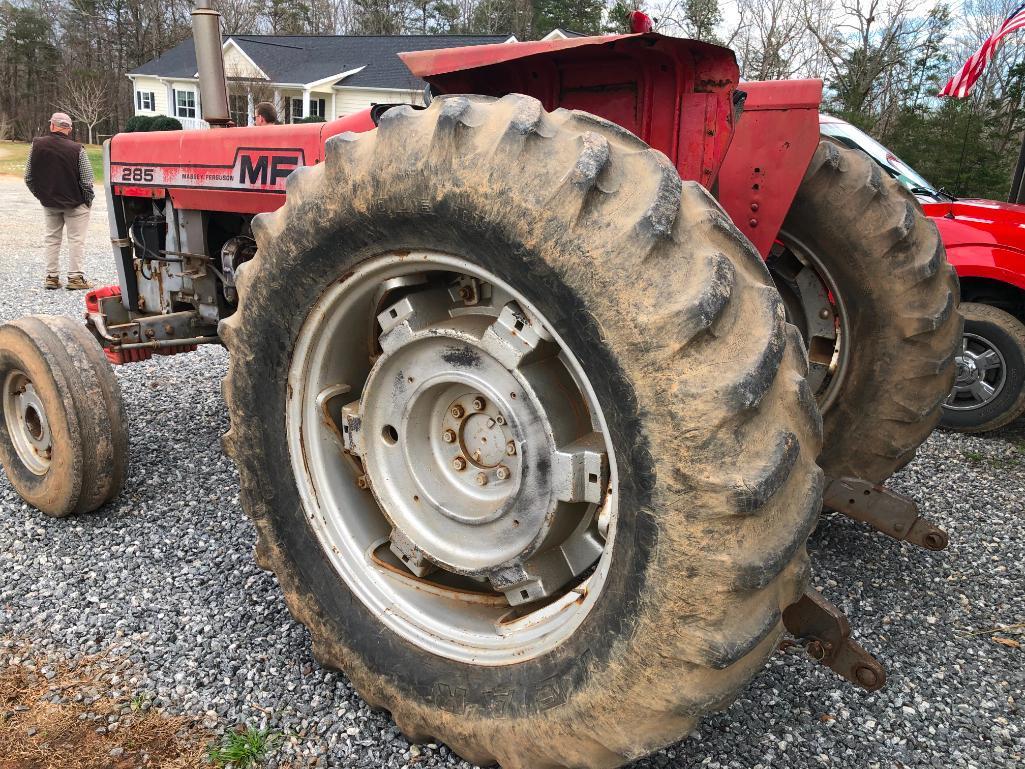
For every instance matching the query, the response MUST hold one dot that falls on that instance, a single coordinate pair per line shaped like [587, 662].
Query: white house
[326, 75]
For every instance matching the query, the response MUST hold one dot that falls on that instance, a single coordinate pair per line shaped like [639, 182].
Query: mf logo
[267, 167]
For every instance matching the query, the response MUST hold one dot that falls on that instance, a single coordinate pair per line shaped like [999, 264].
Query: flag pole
[1017, 190]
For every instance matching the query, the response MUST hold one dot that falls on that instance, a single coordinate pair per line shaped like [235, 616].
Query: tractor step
[825, 633]
[895, 515]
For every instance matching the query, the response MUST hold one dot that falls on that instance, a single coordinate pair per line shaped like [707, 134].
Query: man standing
[265, 114]
[59, 174]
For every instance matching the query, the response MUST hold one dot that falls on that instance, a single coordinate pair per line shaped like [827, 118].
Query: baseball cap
[61, 119]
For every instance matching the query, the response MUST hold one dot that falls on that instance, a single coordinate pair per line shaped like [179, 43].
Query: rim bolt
[502, 473]
[457, 412]
[448, 436]
[824, 313]
[510, 449]
[478, 404]
[482, 479]
[500, 419]
[459, 463]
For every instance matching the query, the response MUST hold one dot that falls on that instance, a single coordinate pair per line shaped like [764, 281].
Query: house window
[185, 103]
[145, 100]
[238, 107]
[317, 108]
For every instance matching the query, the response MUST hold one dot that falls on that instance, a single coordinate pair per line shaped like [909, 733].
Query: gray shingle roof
[307, 58]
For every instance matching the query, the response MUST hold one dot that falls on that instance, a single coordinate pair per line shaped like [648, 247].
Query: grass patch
[43, 727]
[244, 748]
[975, 457]
[13, 156]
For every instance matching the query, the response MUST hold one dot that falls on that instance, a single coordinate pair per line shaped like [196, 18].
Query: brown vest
[55, 174]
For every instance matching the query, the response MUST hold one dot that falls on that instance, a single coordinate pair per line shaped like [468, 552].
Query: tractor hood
[980, 222]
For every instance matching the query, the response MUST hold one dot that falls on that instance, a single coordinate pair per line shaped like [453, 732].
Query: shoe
[77, 282]
[52, 282]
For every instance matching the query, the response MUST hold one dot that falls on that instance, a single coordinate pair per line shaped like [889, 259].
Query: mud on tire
[682, 336]
[901, 295]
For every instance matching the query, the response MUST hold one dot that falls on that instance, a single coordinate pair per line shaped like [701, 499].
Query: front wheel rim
[482, 553]
[981, 374]
[27, 425]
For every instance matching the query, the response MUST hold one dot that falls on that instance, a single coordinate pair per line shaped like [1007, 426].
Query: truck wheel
[523, 432]
[864, 275]
[63, 437]
[989, 391]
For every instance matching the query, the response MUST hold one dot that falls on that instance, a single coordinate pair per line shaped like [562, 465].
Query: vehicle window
[854, 138]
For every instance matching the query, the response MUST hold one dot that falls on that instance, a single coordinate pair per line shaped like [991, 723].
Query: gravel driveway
[165, 575]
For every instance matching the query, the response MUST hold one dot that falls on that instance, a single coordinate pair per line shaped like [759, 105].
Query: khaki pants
[54, 221]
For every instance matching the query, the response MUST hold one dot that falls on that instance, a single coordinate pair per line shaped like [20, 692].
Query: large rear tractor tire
[63, 432]
[525, 437]
[864, 276]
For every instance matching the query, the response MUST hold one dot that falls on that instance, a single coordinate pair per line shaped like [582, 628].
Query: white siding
[352, 100]
[237, 65]
[159, 91]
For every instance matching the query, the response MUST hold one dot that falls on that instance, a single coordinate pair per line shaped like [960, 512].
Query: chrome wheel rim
[815, 304]
[26, 422]
[981, 374]
[452, 458]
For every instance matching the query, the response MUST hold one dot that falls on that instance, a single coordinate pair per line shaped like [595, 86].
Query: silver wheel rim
[815, 304]
[981, 374]
[26, 422]
[452, 458]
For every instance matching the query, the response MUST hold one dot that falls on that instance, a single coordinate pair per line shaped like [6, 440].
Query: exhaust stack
[213, 86]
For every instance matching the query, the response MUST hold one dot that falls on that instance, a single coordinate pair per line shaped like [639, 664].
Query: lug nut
[482, 479]
[824, 313]
[448, 436]
[502, 473]
[500, 419]
[457, 412]
[478, 404]
[459, 463]
[510, 449]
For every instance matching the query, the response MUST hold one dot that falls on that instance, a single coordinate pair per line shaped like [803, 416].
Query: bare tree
[85, 100]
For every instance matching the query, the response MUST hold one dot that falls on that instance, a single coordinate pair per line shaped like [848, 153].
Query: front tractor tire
[523, 432]
[63, 432]
[864, 275]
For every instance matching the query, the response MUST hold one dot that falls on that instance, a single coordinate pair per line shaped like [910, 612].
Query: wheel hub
[468, 430]
[26, 423]
[981, 372]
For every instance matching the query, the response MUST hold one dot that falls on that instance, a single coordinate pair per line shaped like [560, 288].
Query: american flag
[962, 82]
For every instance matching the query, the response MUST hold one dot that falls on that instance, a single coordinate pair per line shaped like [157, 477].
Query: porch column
[250, 112]
[334, 105]
[306, 102]
[279, 106]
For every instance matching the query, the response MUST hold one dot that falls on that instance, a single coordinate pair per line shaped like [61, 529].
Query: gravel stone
[164, 577]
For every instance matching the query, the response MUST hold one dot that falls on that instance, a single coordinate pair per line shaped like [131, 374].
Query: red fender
[774, 141]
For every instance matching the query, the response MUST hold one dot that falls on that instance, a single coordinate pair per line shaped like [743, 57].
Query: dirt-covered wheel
[525, 437]
[989, 390]
[864, 276]
[63, 434]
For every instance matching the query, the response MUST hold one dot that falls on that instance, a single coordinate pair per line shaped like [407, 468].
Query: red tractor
[519, 418]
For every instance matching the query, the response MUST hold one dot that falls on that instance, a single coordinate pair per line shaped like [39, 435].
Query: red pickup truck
[985, 241]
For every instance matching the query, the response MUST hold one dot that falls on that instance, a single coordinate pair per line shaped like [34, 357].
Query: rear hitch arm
[887, 511]
[824, 632]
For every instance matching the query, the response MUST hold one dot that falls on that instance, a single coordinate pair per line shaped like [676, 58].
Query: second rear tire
[884, 277]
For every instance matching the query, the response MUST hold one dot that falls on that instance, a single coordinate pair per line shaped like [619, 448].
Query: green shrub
[310, 119]
[139, 123]
[165, 123]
